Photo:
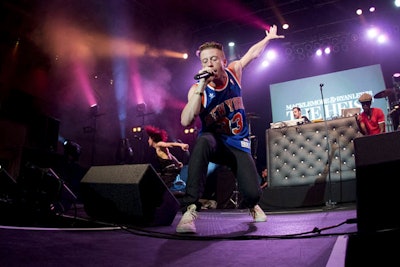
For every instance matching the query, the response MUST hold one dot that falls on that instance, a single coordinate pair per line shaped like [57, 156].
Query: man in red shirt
[372, 120]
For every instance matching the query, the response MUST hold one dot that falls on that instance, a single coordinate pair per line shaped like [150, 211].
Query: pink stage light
[83, 81]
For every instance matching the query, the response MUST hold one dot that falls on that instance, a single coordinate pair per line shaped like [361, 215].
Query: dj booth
[311, 164]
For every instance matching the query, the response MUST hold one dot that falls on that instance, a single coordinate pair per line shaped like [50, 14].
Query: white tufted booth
[297, 160]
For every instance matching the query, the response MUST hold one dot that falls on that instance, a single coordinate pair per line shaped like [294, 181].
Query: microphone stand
[329, 204]
[389, 119]
[396, 86]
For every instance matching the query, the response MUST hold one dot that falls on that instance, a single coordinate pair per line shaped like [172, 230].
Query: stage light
[271, 55]
[359, 11]
[231, 52]
[141, 108]
[285, 26]
[72, 150]
[94, 110]
[396, 79]
[327, 50]
[190, 130]
[137, 132]
[372, 33]
[265, 64]
[137, 129]
[377, 35]
[382, 39]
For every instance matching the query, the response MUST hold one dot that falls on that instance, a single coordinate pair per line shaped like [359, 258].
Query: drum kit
[392, 99]
[385, 93]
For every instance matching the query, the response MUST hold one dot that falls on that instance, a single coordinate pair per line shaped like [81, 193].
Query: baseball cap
[365, 98]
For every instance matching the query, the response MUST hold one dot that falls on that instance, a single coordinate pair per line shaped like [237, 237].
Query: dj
[297, 115]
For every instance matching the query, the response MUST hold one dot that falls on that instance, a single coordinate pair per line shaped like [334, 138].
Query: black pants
[209, 148]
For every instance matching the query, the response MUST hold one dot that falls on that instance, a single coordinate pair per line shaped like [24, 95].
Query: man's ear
[225, 62]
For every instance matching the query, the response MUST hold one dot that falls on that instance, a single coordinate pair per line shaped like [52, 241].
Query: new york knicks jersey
[223, 113]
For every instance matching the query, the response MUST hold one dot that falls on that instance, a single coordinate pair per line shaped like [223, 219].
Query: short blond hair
[208, 45]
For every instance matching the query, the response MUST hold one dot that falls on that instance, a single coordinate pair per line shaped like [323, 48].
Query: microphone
[395, 108]
[204, 75]
[395, 83]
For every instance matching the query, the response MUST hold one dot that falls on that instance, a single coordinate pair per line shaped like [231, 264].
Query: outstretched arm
[185, 147]
[256, 50]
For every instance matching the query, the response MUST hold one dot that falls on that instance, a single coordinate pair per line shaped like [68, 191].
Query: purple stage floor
[303, 237]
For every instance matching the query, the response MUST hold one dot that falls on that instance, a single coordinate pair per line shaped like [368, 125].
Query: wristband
[198, 93]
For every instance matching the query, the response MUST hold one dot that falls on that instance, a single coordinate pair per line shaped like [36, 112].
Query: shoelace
[252, 213]
[193, 213]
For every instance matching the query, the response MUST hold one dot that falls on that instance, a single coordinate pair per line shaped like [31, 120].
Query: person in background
[224, 136]
[170, 165]
[264, 178]
[371, 121]
[297, 115]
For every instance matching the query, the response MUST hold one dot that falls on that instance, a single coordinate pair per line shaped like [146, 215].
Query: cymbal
[384, 93]
[252, 115]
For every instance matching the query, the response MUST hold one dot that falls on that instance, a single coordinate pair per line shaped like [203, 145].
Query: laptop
[350, 112]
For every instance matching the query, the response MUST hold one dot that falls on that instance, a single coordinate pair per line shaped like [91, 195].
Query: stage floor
[315, 236]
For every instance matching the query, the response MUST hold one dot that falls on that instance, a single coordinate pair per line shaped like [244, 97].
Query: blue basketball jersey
[223, 113]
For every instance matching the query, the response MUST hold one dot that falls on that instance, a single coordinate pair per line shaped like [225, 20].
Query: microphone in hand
[202, 75]
[395, 108]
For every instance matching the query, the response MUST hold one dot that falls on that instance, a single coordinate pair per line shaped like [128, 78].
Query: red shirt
[372, 123]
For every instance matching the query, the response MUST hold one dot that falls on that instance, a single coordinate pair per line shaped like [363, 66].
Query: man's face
[264, 173]
[213, 60]
[296, 113]
[366, 105]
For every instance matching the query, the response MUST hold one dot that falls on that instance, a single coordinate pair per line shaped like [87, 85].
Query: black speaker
[128, 194]
[377, 161]
[376, 248]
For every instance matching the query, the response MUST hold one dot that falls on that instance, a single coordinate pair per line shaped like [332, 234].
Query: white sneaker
[186, 224]
[258, 214]
[208, 204]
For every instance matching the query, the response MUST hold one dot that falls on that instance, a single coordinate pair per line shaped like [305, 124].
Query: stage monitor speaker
[377, 161]
[128, 194]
